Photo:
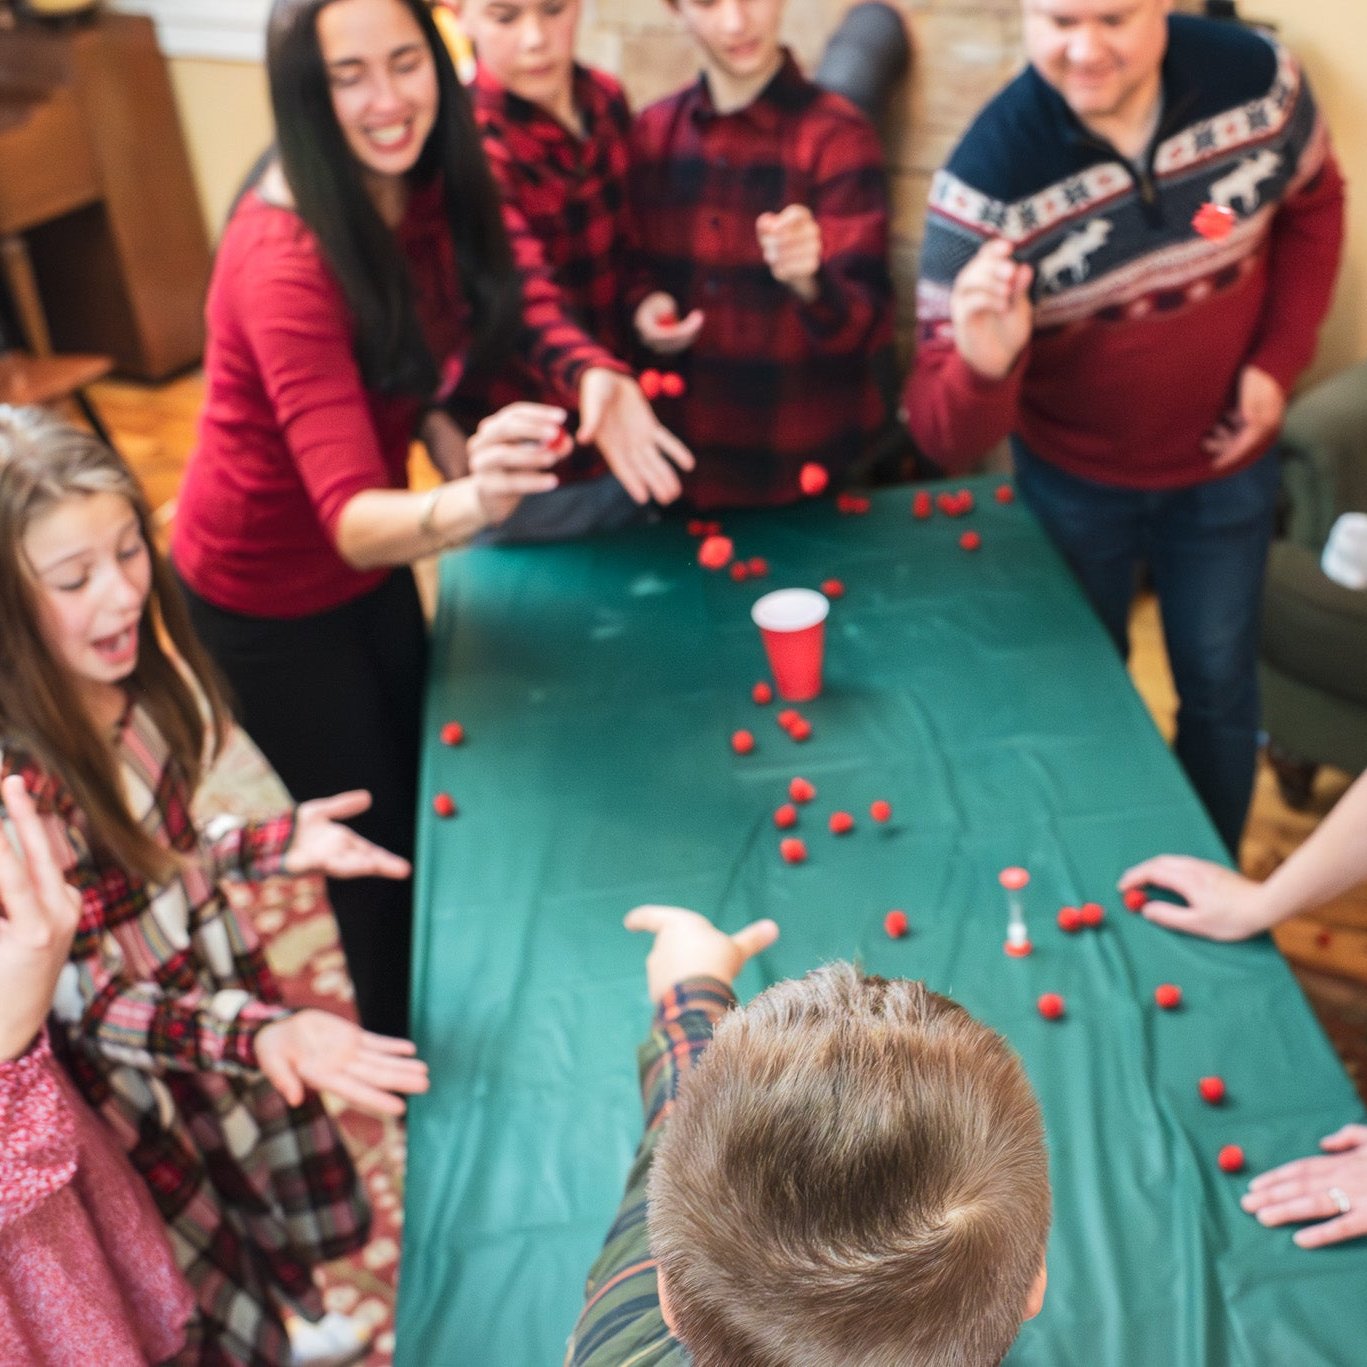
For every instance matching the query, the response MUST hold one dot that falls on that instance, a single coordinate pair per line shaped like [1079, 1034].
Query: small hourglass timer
[1014, 880]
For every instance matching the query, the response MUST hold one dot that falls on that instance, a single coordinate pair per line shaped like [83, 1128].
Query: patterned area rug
[295, 923]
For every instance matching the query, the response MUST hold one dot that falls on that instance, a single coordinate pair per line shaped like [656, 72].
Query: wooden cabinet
[101, 237]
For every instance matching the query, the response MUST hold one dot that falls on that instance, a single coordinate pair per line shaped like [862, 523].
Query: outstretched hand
[322, 845]
[1317, 1189]
[615, 416]
[319, 1050]
[39, 911]
[1221, 904]
[688, 945]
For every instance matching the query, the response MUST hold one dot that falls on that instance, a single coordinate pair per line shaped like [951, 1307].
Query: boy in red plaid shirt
[761, 206]
[556, 136]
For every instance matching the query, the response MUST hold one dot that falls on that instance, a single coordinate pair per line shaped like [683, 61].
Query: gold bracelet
[426, 526]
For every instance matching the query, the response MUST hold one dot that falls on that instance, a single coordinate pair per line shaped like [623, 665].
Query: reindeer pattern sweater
[1142, 325]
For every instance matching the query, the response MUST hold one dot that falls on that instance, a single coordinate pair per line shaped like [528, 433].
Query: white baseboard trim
[225, 30]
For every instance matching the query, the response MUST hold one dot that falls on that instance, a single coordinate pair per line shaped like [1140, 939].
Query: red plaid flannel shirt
[564, 205]
[771, 382]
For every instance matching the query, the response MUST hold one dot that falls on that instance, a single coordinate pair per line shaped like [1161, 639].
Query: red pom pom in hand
[672, 385]
[444, 805]
[649, 380]
[742, 742]
[896, 924]
[715, 551]
[801, 791]
[452, 733]
[922, 505]
[1050, 1006]
[1231, 1158]
[666, 318]
[1135, 898]
[1212, 1089]
[793, 850]
[1092, 914]
[785, 817]
[812, 479]
[880, 809]
[832, 588]
[1070, 919]
[1167, 995]
[841, 823]
[762, 693]
[970, 541]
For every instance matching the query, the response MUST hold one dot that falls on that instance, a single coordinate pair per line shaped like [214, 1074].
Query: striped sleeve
[620, 1325]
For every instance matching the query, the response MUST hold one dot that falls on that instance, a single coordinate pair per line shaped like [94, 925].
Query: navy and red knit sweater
[1141, 325]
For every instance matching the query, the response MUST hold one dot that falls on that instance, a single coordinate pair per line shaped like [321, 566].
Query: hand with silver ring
[1330, 1188]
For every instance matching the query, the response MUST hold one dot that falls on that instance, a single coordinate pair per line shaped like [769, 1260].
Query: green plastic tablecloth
[599, 684]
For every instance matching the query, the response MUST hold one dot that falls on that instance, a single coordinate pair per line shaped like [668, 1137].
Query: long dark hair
[43, 462]
[330, 196]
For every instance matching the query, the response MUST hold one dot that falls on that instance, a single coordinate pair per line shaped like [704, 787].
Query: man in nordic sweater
[1139, 365]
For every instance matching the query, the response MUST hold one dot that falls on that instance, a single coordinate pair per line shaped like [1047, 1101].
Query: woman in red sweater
[355, 282]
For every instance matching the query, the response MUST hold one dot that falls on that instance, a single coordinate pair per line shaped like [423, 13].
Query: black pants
[335, 701]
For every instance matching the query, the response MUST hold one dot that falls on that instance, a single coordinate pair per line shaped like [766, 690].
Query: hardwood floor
[154, 427]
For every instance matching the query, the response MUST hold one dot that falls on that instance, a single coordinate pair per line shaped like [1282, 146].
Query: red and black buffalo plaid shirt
[564, 205]
[771, 382]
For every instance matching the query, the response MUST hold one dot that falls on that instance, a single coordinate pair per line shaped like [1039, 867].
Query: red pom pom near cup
[1212, 1090]
[792, 625]
[800, 730]
[812, 479]
[758, 566]
[715, 551]
[762, 693]
[738, 571]
[832, 588]
[896, 925]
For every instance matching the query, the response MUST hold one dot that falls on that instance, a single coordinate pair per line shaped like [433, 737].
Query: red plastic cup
[792, 624]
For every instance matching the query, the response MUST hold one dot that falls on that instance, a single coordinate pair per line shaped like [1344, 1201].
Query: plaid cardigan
[158, 1011]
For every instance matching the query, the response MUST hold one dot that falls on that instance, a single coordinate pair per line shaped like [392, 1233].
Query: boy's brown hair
[855, 1173]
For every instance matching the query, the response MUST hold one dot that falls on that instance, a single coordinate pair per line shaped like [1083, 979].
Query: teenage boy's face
[526, 45]
[739, 37]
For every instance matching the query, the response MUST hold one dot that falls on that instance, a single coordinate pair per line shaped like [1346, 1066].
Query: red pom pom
[452, 733]
[880, 809]
[1014, 878]
[896, 924]
[970, 541]
[1092, 913]
[666, 318]
[852, 503]
[841, 823]
[922, 505]
[787, 716]
[762, 693]
[812, 479]
[742, 742]
[964, 501]
[715, 551]
[1070, 919]
[801, 791]
[738, 571]
[1135, 898]
[832, 588]
[1167, 995]
[793, 850]
[1005, 494]
[444, 805]
[946, 503]
[785, 817]
[1231, 1158]
[801, 729]
[649, 380]
[1212, 1089]
[711, 528]
[1214, 222]
[672, 385]
[1050, 1006]
[696, 526]
[758, 566]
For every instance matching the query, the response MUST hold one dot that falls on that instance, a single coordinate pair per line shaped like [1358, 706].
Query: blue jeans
[1206, 548]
